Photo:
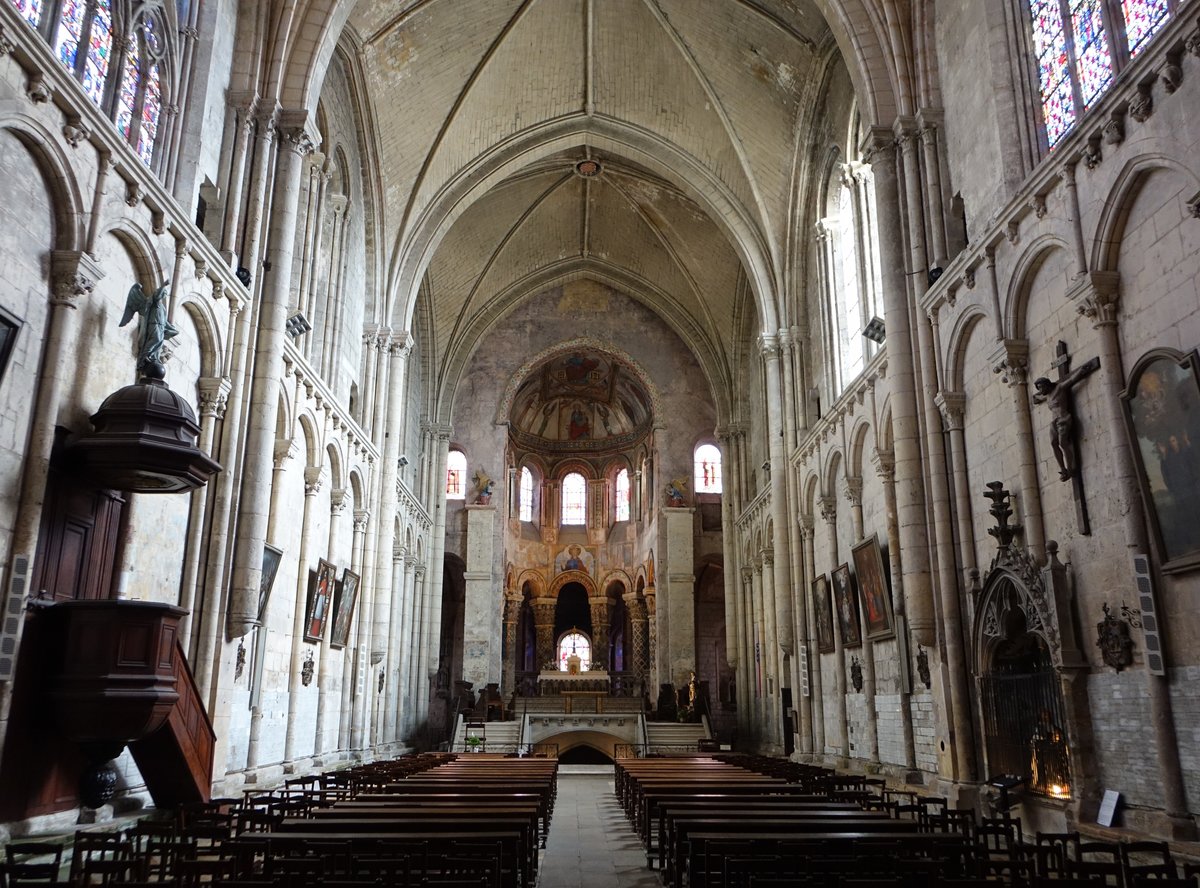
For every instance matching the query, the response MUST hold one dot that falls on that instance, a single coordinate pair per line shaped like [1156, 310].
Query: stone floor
[591, 844]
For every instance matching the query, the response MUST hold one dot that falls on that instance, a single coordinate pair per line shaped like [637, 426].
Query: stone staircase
[495, 736]
[667, 737]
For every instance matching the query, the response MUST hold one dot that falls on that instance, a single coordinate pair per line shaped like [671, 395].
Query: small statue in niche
[153, 328]
[484, 485]
[923, 672]
[1062, 429]
[307, 670]
[675, 492]
[856, 674]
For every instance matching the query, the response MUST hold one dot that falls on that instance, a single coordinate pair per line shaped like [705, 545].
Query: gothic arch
[573, 576]
[956, 347]
[535, 581]
[212, 350]
[56, 171]
[141, 251]
[1110, 230]
[1015, 583]
[857, 442]
[833, 461]
[1020, 288]
[617, 575]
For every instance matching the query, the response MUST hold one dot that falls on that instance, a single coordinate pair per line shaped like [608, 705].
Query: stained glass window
[66, 36]
[127, 95]
[31, 10]
[622, 495]
[574, 499]
[151, 108]
[100, 39]
[1094, 59]
[526, 499]
[708, 469]
[578, 644]
[456, 475]
[1054, 68]
[1143, 18]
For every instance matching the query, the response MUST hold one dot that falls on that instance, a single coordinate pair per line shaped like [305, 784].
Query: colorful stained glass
[66, 37]
[1093, 57]
[151, 108]
[1054, 69]
[31, 10]
[127, 93]
[1143, 18]
[100, 38]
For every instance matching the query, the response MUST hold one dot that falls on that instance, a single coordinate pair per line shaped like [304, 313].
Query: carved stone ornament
[379, 688]
[239, 665]
[1092, 154]
[856, 674]
[923, 667]
[1114, 641]
[1114, 131]
[306, 671]
[1001, 511]
[1141, 105]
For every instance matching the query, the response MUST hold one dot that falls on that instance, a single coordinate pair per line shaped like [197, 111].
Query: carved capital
[337, 500]
[213, 392]
[362, 517]
[1010, 361]
[400, 345]
[768, 345]
[952, 406]
[852, 488]
[1097, 296]
[285, 449]
[885, 465]
[314, 477]
[827, 505]
[73, 274]
[1141, 106]
[807, 530]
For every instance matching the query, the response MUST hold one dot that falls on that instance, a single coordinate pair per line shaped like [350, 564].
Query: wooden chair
[90, 848]
[32, 863]
[1102, 859]
[1147, 861]
[156, 844]
[107, 871]
[206, 871]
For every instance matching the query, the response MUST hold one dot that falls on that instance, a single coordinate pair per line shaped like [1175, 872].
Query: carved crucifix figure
[1057, 395]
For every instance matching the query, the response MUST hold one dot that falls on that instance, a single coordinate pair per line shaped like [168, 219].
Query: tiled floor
[591, 844]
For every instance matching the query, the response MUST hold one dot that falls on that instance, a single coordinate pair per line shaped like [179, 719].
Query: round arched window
[574, 644]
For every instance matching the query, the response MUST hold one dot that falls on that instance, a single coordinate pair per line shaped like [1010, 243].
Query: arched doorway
[573, 611]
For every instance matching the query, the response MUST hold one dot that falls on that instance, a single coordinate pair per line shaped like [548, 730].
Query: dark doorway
[584, 755]
[573, 611]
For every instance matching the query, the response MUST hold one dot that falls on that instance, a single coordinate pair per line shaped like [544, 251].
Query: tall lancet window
[526, 496]
[574, 499]
[708, 469]
[456, 475]
[622, 495]
[1080, 47]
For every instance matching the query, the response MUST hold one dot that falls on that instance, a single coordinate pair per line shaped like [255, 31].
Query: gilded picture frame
[878, 621]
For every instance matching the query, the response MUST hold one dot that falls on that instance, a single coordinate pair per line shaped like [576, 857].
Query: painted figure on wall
[847, 607]
[579, 426]
[574, 557]
[675, 491]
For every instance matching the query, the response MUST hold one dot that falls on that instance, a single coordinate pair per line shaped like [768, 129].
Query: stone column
[815, 679]
[244, 109]
[748, 642]
[214, 394]
[637, 621]
[296, 142]
[1097, 296]
[352, 655]
[781, 618]
[433, 641]
[395, 647]
[733, 612]
[313, 478]
[679, 606]
[1010, 361]
[479, 603]
[337, 508]
[512, 619]
[652, 641]
[761, 711]
[853, 488]
[910, 490]
[600, 610]
[416, 586]
[361, 703]
[885, 467]
[543, 623]
[928, 122]
[828, 507]
[771, 664]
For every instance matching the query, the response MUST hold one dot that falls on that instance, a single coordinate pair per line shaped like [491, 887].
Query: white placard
[1108, 807]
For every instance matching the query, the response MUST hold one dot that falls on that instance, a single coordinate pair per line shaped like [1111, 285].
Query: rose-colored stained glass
[1143, 18]
[1093, 57]
[95, 67]
[31, 10]
[66, 36]
[127, 94]
[1054, 69]
[151, 108]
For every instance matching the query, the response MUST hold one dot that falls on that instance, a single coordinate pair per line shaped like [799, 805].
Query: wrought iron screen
[1024, 717]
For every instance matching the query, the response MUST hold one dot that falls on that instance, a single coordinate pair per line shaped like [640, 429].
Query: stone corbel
[74, 131]
[1010, 360]
[1096, 296]
[73, 274]
[37, 89]
[1141, 105]
[1092, 154]
[1172, 73]
[1114, 129]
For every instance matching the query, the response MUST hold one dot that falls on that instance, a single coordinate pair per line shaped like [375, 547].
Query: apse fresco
[581, 401]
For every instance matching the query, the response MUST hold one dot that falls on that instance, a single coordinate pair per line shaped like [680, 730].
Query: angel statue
[153, 330]
[675, 491]
[484, 485]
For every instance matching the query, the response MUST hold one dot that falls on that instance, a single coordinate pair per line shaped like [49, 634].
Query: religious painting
[270, 567]
[579, 424]
[344, 599]
[846, 603]
[1162, 413]
[574, 557]
[872, 587]
[823, 608]
[320, 593]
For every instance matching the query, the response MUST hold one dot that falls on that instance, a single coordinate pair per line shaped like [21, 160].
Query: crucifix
[1057, 394]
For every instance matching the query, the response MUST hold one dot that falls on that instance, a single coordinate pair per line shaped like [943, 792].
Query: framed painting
[344, 599]
[823, 609]
[1162, 414]
[270, 567]
[320, 594]
[873, 590]
[846, 603]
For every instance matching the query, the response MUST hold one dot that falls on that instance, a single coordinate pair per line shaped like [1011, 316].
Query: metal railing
[500, 747]
[652, 750]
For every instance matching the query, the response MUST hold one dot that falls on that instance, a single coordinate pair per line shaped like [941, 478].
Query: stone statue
[675, 492]
[484, 485]
[1062, 430]
[153, 330]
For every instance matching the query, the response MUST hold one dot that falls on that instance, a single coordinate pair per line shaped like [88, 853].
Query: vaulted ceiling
[692, 108]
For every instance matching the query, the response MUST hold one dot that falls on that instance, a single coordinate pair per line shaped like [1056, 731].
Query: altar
[554, 682]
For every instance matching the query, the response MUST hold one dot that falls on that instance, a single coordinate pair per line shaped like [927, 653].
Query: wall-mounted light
[297, 325]
[874, 331]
